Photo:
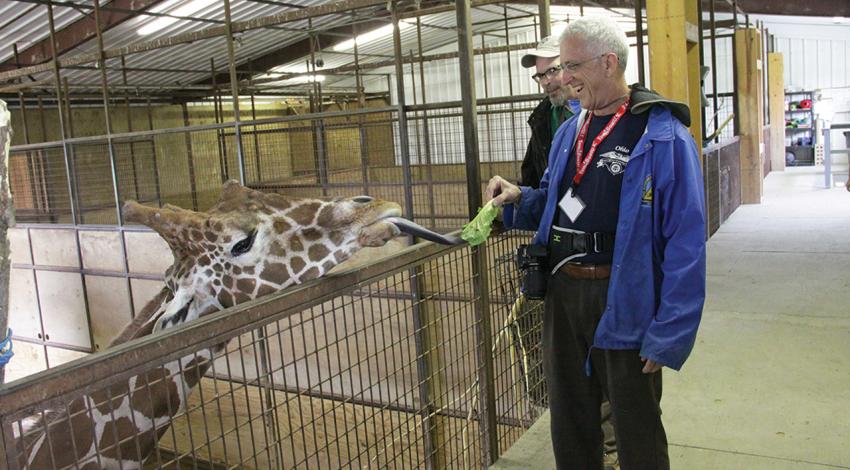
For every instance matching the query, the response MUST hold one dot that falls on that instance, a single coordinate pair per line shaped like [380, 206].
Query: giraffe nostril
[362, 199]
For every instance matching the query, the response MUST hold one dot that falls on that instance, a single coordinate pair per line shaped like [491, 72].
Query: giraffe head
[251, 244]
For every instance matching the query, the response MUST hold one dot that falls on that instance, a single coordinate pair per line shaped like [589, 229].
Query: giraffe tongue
[417, 230]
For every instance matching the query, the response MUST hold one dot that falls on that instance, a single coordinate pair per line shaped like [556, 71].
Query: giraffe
[248, 245]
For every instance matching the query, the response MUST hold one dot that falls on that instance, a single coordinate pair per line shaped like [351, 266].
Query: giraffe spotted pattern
[248, 245]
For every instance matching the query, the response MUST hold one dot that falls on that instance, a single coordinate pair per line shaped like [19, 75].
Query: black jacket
[537, 154]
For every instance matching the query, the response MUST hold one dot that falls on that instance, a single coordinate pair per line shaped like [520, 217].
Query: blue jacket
[657, 286]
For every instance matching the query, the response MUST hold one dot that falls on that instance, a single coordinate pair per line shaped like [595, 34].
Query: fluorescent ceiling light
[188, 9]
[305, 79]
[361, 39]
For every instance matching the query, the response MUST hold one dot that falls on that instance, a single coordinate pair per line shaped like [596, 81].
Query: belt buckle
[578, 243]
[597, 242]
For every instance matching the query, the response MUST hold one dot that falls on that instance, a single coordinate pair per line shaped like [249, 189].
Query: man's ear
[612, 62]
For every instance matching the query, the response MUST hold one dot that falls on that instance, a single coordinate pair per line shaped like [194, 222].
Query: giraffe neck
[138, 412]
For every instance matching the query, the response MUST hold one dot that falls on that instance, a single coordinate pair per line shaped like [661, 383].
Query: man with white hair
[620, 212]
[559, 105]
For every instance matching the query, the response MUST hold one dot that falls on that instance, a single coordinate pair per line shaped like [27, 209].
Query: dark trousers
[572, 312]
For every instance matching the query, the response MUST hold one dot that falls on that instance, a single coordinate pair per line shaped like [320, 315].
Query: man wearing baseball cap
[552, 111]
[560, 105]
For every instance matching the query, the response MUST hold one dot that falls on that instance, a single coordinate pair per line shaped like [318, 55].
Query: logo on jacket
[614, 161]
[646, 194]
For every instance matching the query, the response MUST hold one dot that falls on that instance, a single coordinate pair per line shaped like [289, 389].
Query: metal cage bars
[359, 369]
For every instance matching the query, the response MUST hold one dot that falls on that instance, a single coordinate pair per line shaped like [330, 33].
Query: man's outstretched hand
[501, 191]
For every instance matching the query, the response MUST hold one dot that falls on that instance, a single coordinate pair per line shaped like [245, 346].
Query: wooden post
[7, 219]
[674, 65]
[776, 95]
[751, 118]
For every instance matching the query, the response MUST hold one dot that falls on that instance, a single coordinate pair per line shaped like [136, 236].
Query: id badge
[572, 205]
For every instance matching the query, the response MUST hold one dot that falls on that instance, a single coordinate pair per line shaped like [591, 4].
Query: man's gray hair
[602, 35]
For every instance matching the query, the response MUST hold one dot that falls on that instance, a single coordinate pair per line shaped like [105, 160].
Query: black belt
[576, 241]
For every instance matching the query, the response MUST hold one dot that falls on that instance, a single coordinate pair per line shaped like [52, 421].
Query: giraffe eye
[244, 245]
[362, 199]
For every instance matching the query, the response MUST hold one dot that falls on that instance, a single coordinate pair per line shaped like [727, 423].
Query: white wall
[816, 53]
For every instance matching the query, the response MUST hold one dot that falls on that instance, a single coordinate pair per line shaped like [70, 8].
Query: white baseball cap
[547, 48]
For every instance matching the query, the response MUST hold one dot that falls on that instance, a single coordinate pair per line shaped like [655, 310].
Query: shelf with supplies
[799, 128]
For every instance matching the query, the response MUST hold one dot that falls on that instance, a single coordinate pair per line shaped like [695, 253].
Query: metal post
[715, 106]
[423, 322]
[545, 19]
[487, 400]
[257, 161]
[703, 131]
[116, 192]
[129, 121]
[190, 159]
[510, 90]
[322, 162]
[487, 126]
[429, 170]
[827, 158]
[735, 69]
[104, 87]
[402, 116]
[639, 35]
[234, 91]
[49, 198]
[361, 100]
[153, 155]
[61, 112]
[218, 112]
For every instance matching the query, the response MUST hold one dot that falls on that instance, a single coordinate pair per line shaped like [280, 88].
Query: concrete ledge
[532, 450]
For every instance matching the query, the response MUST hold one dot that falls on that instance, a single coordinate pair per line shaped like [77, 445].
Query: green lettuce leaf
[478, 229]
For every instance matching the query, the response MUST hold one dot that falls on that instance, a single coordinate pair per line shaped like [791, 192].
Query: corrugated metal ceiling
[438, 31]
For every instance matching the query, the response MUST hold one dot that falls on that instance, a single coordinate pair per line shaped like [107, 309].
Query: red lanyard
[582, 163]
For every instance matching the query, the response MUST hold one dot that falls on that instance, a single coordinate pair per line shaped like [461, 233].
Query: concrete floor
[768, 383]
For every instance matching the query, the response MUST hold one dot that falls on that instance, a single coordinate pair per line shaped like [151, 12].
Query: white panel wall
[816, 56]
[815, 63]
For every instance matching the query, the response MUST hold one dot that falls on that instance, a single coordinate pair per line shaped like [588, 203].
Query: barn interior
[414, 354]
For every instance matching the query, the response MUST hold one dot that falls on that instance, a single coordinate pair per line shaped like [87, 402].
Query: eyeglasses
[548, 73]
[572, 67]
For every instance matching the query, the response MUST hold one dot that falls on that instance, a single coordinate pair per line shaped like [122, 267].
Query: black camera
[531, 261]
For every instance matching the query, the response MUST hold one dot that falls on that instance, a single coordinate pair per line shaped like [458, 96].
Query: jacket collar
[644, 99]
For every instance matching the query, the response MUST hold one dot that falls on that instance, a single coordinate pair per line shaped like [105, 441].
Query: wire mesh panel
[39, 182]
[373, 368]
[521, 392]
[331, 154]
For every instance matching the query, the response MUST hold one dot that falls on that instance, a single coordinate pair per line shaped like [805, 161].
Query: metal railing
[829, 151]
[374, 367]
